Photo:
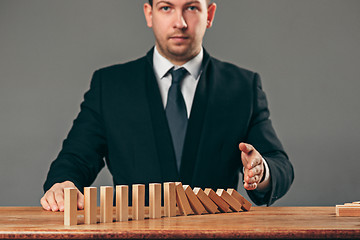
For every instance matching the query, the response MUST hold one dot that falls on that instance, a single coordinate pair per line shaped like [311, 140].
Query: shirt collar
[162, 65]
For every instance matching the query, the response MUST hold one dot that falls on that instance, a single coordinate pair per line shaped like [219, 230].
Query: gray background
[307, 53]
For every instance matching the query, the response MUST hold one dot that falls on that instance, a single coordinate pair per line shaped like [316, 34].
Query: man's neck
[178, 61]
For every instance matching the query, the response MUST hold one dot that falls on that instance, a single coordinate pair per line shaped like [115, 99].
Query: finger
[59, 198]
[254, 179]
[80, 201]
[255, 161]
[255, 171]
[248, 186]
[246, 148]
[51, 200]
[45, 204]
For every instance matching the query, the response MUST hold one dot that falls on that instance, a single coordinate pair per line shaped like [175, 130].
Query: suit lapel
[195, 125]
[161, 130]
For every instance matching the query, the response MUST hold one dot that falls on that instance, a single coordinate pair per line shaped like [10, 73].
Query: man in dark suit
[176, 114]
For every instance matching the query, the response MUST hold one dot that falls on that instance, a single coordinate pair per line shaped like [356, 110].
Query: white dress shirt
[188, 88]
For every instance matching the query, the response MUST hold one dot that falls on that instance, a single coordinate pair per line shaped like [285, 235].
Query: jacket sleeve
[81, 157]
[262, 136]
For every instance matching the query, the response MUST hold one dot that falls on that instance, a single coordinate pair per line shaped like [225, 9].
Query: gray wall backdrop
[307, 53]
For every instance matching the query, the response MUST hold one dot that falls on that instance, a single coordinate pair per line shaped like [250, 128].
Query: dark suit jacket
[122, 120]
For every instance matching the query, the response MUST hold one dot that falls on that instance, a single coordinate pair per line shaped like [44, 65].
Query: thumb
[245, 148]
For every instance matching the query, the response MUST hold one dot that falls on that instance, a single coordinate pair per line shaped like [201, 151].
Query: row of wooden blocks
[188, 201]
[348, 210]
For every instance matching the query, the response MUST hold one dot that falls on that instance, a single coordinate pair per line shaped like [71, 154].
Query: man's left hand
[253, 166]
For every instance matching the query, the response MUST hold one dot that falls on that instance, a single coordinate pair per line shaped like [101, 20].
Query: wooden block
[90, 205]
[233, 203]
[347, 211]
[195, 203]
[70, 204]
[358, 202]
[154, 200]
[182, 201]
[169, 199]
[209, 205]
[106, 204]
[352, 204]
[245, 204]
[138, 201]
[122, 203]
[222, 205]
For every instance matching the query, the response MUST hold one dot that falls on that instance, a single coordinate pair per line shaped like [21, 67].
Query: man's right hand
[53, 199]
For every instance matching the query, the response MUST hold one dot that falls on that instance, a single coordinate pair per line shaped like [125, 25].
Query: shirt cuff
[265, 184]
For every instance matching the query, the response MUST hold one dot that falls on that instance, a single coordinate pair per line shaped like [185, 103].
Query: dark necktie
[176, 113]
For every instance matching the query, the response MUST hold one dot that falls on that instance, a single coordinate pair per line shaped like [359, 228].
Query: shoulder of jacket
[227, 68]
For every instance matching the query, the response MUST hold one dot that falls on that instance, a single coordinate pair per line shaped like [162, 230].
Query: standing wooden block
[70, 210]
[90, 208]
[245, 204]
[154, 200]
[182, 201]
[138, 201]
[122, 203]
[233, 203]
[223, 206]
[195, 203]
[169, 199]
[106, 204]
[209, 205]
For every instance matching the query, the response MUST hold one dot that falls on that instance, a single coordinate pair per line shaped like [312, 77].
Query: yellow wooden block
[195, 203]
[245, 204]
[169, 199]
[182, 201]
[209, 205]
[222, 205]
[106, 204]
[90, 205]
[122, 203]
[233, 203]
[155, 200]
[138, 201]
[70, 204]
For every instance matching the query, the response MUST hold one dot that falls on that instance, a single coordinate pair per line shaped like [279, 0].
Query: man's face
[179, 26]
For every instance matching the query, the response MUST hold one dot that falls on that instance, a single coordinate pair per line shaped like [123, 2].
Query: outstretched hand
[253, 166]
[53, 199]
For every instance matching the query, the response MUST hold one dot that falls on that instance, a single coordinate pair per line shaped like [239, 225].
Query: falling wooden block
[352, 204]
[245, 204]
[182, 201]
[138, 201]
[90, 205]
[122, 203]
[222, 205]
[169, 199]
[233, 203]
[154, 200]
[70, 210]
[195, 203]
[106, 204]
[209, 205]
[347, 211]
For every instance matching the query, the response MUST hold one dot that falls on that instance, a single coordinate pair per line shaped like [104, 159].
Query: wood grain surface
[259, 222]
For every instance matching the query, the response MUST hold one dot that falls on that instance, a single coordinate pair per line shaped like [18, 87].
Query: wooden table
[258, 223]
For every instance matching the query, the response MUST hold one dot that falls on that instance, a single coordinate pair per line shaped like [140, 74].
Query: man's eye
[192, 8]
[165, 8]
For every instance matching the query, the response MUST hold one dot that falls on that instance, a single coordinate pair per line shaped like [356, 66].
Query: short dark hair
[151, 2]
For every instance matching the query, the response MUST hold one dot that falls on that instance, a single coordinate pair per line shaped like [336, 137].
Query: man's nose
[180, 21]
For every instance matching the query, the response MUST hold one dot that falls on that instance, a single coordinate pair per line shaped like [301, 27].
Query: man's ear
[148, 14]
[211, 14]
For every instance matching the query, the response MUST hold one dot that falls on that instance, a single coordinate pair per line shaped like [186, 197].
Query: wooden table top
[259, 222]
